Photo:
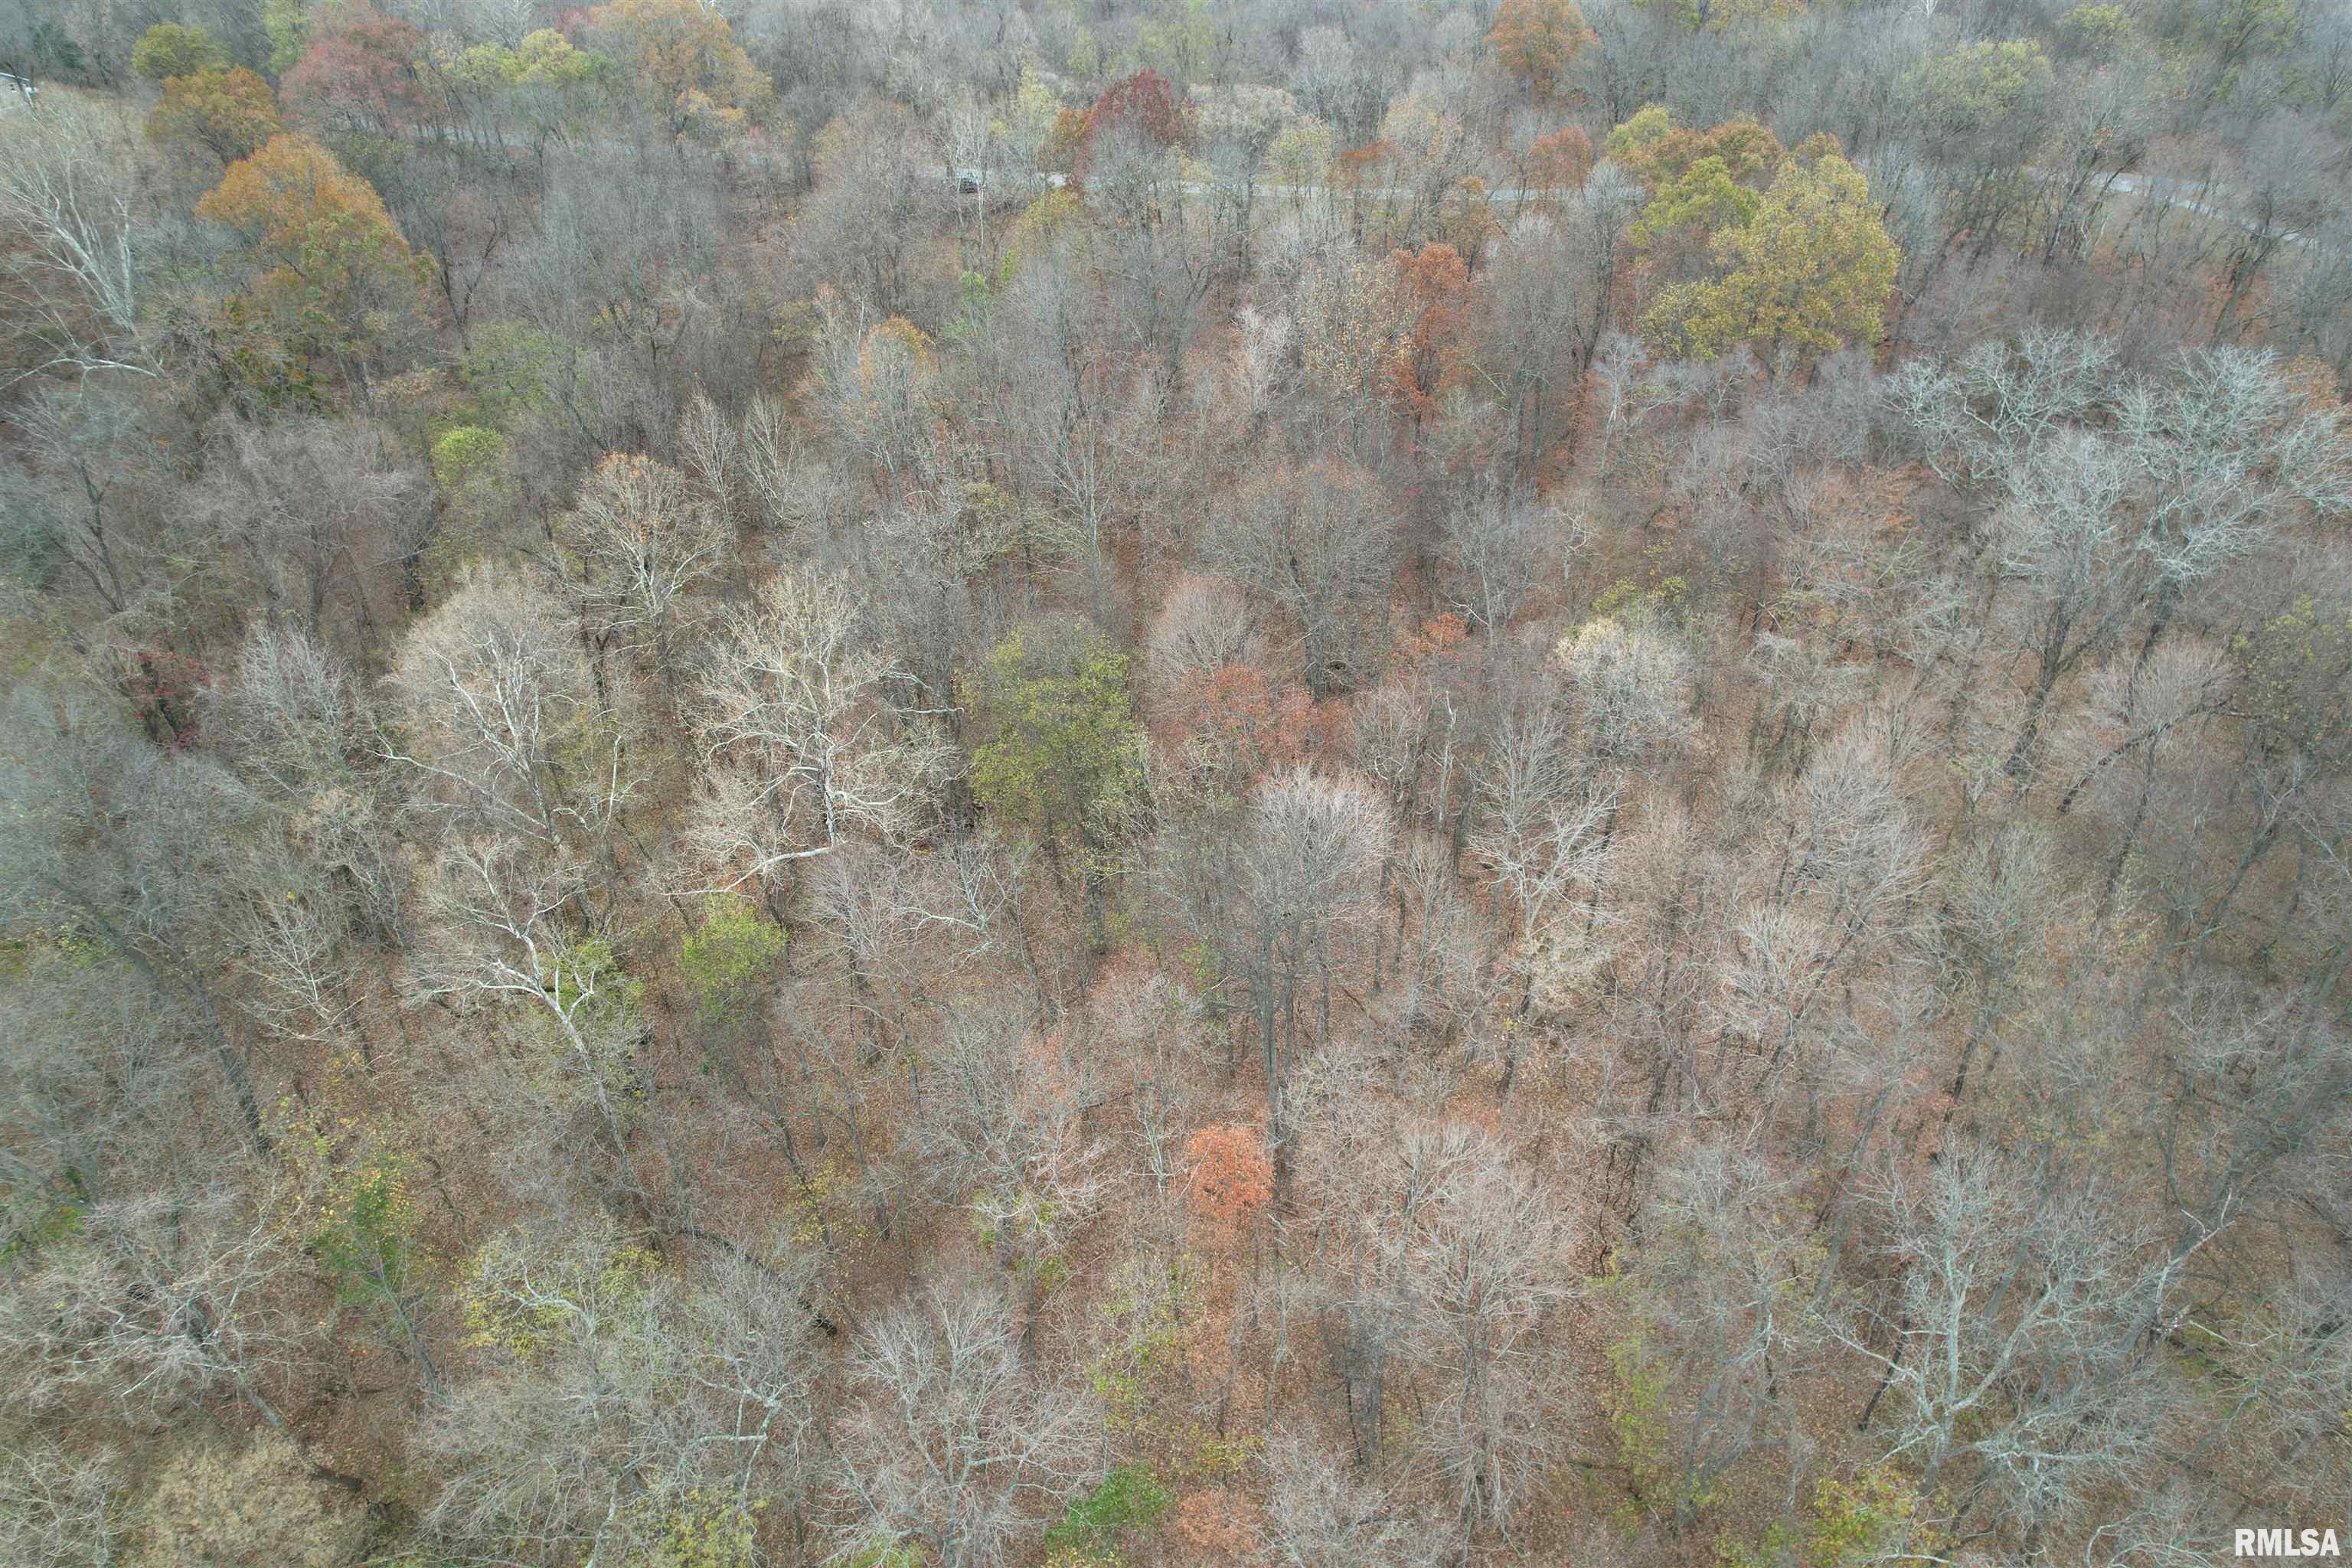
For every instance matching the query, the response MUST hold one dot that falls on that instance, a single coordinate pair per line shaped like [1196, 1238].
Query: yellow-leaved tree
[229, 113]
[1808, 274]
[693, 78]
[1720, 16]
[169, 49]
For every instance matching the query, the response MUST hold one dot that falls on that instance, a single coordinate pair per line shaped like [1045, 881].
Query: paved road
[2159, 187]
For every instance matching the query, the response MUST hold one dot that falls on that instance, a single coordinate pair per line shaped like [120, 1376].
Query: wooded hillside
[956, 784]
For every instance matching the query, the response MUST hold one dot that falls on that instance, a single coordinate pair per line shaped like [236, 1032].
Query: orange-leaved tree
[1433, 286]
[330, 268]
[1534, 40]
[1232, 724]
[1560, 162]
[1231, 1176]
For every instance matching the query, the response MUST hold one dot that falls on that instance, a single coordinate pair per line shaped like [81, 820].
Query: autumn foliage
[1231, 1176]
[1534, 40]
[1357, 167]
[1440, 636]
[692, 76]
[1812, 272]
[1237, 724]
[169, 49]
[1144, 103]
[1658, 149]
[328, 253]
[1217, 1525]
[734, 833]
[1433, 287]
[1561, 161]
[228, 113]
[361, 68]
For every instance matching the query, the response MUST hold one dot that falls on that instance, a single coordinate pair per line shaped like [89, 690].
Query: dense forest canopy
[1346, 784]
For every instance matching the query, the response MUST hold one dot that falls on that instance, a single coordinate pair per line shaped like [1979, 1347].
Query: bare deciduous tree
[881, 181]
[1544, 832]
[59, 1508]
[2021, 1302]
[1320, 543]
[160, 1298]
[314, 506]
[77, 280]
[1203, 624]
[644, 543]
[507, 926]
[1277, 905]
[952, 1444]
[1498, 546]
[1156, 249]
[617, 1408]
[132, 847]
[1317, 1516]
[803, 741]
[1723, 1288]
[995, 1131]
[501, 717]
[1486, 1252]
[89, 508]
[1632, 683]
[294, 722]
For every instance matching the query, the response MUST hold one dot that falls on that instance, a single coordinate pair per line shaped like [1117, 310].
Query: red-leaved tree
[360, 70]
[1143, 103]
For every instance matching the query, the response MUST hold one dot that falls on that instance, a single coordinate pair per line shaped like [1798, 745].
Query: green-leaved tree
[1063, 757]
[1809, 275]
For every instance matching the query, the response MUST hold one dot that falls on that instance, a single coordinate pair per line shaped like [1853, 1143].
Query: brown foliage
[1534, 40]
[212, 1506]
[1238, 723]
[1216, 1525]
[1750, 152]
[1435, 282]
[361, 68]
[1561, 161]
